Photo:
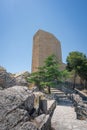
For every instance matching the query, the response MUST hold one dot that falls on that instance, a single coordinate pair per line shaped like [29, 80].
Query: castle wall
[44, 44]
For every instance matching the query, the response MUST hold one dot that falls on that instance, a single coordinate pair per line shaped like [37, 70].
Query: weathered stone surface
[18, 110]
[51, 105]
[81, 112]
[15, 105]
[82, 94]
[21, 78]
[13, 118]
[64, 118]
[76, 99]
[80, 107]
[44, 44]
[6, 79]
[43, 105]
[38, 96]
[47, 106]
[27, 126]
[43, 122]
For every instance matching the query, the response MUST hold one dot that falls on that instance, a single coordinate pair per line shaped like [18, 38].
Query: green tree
[82, 71]
[52, 73]
[47, 75]
[65, 75]
[74, 62]
[37, 77]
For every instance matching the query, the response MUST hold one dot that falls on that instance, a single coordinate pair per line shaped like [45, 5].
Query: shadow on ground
[64, 102]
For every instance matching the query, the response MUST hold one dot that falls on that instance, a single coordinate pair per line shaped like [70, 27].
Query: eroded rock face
[15, 105]
[20, 78]
[6, 79]
[43, 122]
[19, 110]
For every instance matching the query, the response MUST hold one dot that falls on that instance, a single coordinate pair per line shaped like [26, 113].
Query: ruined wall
[44, 44]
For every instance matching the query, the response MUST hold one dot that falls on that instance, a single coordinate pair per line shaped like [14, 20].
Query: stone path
[64, 117]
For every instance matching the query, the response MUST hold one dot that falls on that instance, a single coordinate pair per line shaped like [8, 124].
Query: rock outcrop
[8, 80]
[20, 78]
[15, 105]
[18, 110]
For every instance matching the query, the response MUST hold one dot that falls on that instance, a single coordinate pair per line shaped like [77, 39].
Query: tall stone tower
[44, 44]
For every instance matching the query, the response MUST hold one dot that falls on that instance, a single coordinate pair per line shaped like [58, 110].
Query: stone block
[43, 105]
[43, 122]
[47, 106]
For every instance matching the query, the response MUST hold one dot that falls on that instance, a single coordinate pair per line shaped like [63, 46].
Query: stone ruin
[24, 109]
[44, 45]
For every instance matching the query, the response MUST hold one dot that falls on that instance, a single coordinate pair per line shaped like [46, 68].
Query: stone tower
[44, 44]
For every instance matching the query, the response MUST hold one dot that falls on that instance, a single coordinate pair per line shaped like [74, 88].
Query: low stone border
[80, 107]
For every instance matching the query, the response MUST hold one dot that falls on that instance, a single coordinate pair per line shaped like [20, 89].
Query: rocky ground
[19, 106]
[24, 109]
[8, 79]
[64, 117]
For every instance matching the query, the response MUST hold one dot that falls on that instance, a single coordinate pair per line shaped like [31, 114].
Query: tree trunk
[85, 84]
[49, 91]
[74, 84]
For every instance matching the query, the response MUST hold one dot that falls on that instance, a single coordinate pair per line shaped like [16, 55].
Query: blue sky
[20, 19]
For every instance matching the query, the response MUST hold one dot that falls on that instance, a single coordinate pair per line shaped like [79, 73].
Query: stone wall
[44, 44]
[80, 107]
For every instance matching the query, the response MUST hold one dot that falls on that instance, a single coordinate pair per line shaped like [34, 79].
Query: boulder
[43, 122]
[19, 110]
[21, 78]
[15, 105]
[6, 79]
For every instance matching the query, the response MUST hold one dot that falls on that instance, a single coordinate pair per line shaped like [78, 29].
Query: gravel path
[64, 117]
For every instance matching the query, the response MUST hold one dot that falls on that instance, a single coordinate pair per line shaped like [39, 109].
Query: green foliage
[77, 61]
[82, 70]
[74, 60]
[65, 75]
[48, 75]
[37, 77]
